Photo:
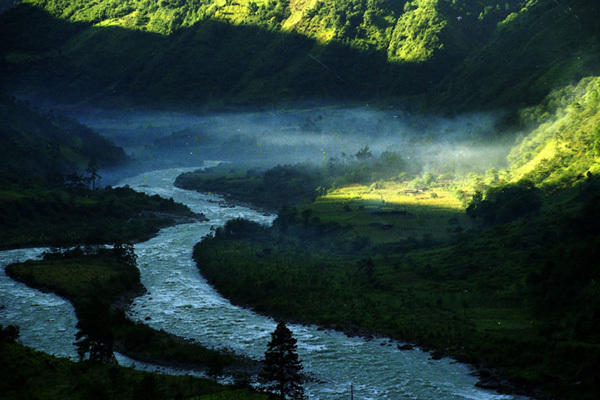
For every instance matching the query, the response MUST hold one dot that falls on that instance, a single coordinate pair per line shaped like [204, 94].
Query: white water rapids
[180, 301]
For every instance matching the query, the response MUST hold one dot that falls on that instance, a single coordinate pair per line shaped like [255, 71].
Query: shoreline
[175, 219]
[230, 201]
[488, 378]
[238, 366]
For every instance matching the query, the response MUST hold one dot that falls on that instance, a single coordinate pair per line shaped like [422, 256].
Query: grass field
[391, 211]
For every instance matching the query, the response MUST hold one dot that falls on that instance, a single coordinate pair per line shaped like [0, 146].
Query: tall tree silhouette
[94, 336]
[282, 367]
[94, 177]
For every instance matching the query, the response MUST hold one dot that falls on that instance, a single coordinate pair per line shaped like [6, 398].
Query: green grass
[77, 277]
[27, 374]
[390, 211]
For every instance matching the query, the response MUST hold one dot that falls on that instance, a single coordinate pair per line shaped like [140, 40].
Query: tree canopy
[282, 367]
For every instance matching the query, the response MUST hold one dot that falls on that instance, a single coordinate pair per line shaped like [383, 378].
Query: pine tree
[94, 336]
[282, 366]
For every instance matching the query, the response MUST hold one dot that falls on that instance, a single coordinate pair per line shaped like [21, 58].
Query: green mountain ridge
[459, 54]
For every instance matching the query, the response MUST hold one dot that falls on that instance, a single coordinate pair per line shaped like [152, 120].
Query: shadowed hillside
[546, 45]
[39, 147]
[463, 54]
[207, 63]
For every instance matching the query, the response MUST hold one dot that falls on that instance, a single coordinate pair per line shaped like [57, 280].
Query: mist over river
[180, 301]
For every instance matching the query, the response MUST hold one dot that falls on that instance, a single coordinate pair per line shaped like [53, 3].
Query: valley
[412, 186]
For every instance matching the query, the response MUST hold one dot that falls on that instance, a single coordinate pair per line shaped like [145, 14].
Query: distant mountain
[42, 147]
[464, 54]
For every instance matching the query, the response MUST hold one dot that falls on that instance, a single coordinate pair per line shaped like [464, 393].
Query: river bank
[107, 278]
[32, 374]
[183, 303]
[478, 297]
[321, 317]
[64, 216]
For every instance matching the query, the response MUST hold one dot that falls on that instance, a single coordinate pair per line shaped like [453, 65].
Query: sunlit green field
[391, 211]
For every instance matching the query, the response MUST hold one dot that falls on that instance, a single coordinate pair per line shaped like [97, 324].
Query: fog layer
[459, 144]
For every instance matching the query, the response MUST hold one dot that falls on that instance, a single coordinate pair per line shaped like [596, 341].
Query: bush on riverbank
[294, 184]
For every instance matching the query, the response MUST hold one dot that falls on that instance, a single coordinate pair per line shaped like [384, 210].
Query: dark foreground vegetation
[28, 374]
[100, 283]
[517, 297]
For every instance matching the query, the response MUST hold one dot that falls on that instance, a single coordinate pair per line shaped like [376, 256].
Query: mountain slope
[39, 146]
[240, 52]
[565, 144]
[416, 26]
[547, 44]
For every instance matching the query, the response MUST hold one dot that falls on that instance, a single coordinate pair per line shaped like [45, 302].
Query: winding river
[180, 301]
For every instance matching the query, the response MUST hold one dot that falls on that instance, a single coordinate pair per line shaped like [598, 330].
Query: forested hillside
[546, 45]
[46, 147]
[464, 54]
[565, 144]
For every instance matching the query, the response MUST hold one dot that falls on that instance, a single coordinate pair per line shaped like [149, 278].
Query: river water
[47, 322]
[180, 301]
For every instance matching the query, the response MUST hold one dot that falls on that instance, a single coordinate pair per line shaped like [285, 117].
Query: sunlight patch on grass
[386, 212]
[297, 8]
[388, 194]
[546, 153]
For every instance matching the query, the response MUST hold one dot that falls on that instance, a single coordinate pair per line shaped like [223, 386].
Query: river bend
[180, 301]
